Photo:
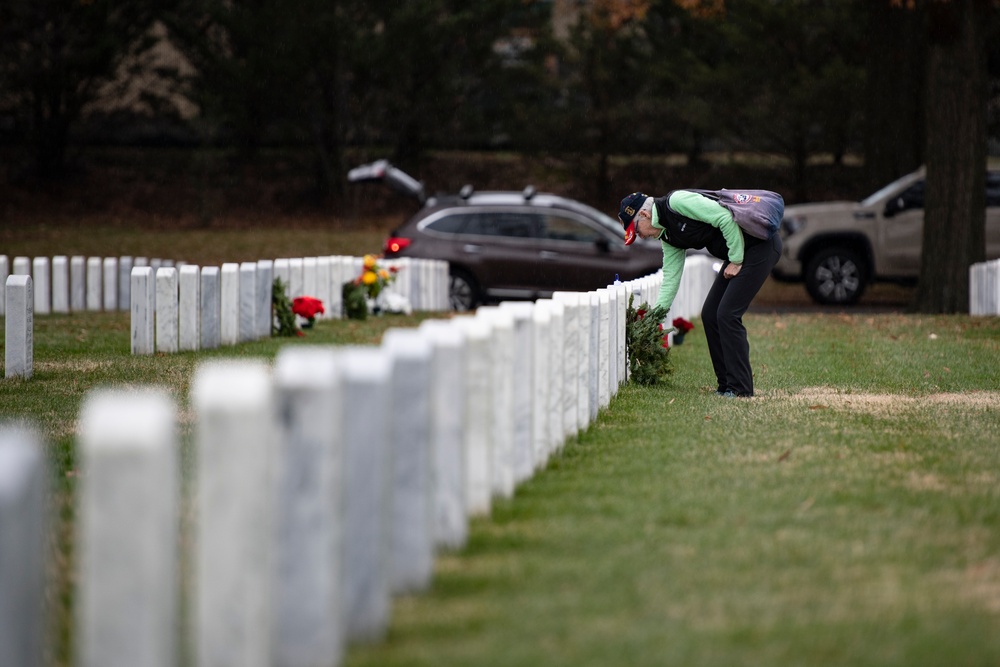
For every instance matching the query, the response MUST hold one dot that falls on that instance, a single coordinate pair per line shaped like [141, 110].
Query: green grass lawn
[847, 515]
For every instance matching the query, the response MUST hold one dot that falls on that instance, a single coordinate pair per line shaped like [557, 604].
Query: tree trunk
[895, 71]
[955, 208]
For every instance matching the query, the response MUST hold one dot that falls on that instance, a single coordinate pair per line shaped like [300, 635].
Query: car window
[613, 225]
[503, 223]
[884, 191]
[562, 228]
[912, 197]
[449, 224]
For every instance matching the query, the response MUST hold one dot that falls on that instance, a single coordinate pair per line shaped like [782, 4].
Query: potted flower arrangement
[681, 327]
[307, 308]
[361, 295]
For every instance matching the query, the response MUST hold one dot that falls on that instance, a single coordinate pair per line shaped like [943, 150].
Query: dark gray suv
[512, 245]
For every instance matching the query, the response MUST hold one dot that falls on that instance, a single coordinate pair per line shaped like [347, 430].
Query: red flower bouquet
[681, 327]
[308, 308]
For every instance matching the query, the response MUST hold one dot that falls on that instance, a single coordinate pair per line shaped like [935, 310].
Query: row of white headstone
[321, 485]
[64, 284]
[192, 307]
[984, 288]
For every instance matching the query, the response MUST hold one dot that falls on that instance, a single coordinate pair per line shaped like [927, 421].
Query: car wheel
[462, 291]
[836, 276]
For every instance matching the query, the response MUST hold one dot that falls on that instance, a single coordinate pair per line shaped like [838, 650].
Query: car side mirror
[603, 244]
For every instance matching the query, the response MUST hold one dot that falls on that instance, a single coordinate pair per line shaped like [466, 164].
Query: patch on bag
[743, 198]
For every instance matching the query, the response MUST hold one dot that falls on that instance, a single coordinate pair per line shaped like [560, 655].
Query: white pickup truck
[839, 248]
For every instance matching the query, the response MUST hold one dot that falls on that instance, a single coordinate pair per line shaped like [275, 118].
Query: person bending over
[686, 219]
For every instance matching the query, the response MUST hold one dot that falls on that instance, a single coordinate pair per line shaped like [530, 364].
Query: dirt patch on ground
[885, 404]
[72, 366]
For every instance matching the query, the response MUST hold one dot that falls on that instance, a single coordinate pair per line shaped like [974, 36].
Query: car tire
[836, 276]
[463, 292]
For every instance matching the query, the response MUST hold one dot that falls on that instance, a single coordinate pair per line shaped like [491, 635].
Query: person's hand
[732, 270]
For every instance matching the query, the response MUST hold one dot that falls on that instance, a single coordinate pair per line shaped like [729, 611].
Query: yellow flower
[369, 261]
[369, 278]
[383, 274]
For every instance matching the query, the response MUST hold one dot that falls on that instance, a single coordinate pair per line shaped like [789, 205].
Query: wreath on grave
[646, 342]
[283, 323]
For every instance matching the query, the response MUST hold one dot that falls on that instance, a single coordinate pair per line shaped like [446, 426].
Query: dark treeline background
[891, 83]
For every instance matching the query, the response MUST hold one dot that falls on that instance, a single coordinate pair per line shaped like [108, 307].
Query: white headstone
[19, 346]
[110, 281]
[248, 324]
[323, 265]
[296, 278]
[282, 271]
[189, 307]
[411, 540]
[166, 309]
[334, 309]
[234, 441]
[503, 353]
[542, 381]
[993, 287]
[265, 288]
[478, 414]
[612, 340]
[22, 266]
[595, 356]
[571, 359]
[142, 311]
[41, 278]
[125, 264]
[23, 553]
[127, 528]
[210, 311]
[975, 283]
[229, 304]
[583, 363]
[77, 283]
[367, 400]
[993, 280]
[604, 346]
[447, 396]
[443, 282]
[310, 279]
[307, 619]
[426, 290]
[60, 284]
[4, 272]
[622, 344]
[95, 292]
[557, 430]
[523, 313]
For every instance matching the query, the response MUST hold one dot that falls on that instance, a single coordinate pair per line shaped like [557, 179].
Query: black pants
[722, 314]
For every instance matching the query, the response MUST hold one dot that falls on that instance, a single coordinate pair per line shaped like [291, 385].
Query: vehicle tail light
[395, 244]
